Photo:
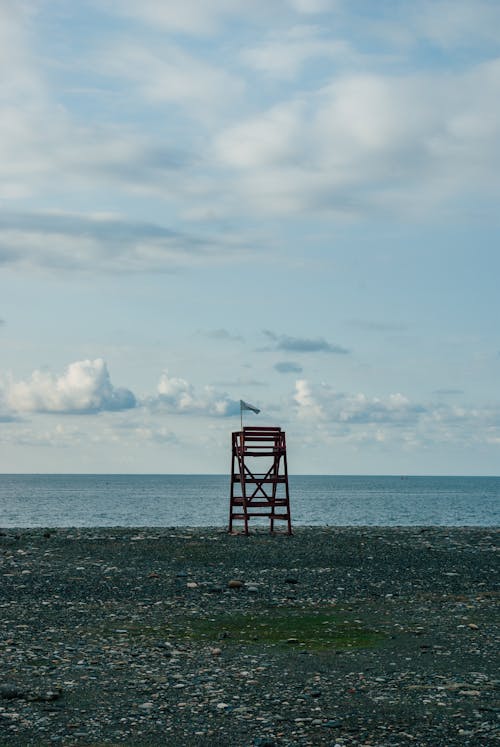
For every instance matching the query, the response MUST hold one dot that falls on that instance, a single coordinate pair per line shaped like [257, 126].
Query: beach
[178, 636]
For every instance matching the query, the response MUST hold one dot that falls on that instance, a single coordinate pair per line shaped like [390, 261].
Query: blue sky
[292, 202]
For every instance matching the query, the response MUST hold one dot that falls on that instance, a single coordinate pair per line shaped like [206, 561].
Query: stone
[235, 583]
[11, 692]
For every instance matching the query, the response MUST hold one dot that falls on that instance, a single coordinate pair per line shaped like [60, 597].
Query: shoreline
[191, 636]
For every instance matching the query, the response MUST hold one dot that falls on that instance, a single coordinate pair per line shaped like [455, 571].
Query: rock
[11, 692]
[473, 626]
[192, 585]
[235, 583]
[48, 696]
[216, 651]
[291, 580]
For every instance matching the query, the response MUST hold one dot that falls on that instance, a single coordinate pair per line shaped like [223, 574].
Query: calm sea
[203, 500]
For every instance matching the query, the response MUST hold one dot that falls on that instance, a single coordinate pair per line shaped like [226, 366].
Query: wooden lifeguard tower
[259, 477]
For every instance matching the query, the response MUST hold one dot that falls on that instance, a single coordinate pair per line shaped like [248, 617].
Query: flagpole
[241, 415]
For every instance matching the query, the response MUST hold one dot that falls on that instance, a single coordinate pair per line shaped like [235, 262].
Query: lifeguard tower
[259, 477]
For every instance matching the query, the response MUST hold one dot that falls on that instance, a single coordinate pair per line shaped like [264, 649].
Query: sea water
[203, 500]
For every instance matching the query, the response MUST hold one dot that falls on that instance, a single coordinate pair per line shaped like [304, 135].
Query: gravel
[334, 636]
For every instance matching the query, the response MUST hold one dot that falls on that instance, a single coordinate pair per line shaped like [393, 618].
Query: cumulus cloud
[354, 408]
[84, 388]
[308, 408]
[394, 417]
[179, 396]
[287, 367]
[302, 344]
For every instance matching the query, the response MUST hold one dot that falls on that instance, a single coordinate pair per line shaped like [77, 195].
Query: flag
[246, 406]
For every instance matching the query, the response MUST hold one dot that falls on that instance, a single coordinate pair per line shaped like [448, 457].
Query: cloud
[180, 397]
[84, 388]
[370, 142]
[222, 334]
[308, 408]
[287, 367]
[353, 409]
[169, 74]
[190, 17]
[71, 241]
[59, 436]
[286, 52]
[144, 431]
[452, 23]
[6, 417]
[310, 7]
[302, 344]
[370, 325]
[392, 418]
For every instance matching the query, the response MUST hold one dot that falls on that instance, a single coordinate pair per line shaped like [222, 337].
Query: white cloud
[450, 23]
[371, 141]
[190, 16]
[284, 53]
[84, 388]
[353, 409]
[309, 7]
[392, 418]
[171, 74]
[179, 396]
[308, 407]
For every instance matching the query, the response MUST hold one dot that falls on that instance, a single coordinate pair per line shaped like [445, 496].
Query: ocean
[203, 500]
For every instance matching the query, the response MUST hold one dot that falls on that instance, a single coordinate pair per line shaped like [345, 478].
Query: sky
[290, 202]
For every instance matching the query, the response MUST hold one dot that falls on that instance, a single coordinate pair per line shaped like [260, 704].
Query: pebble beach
[333, 636]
